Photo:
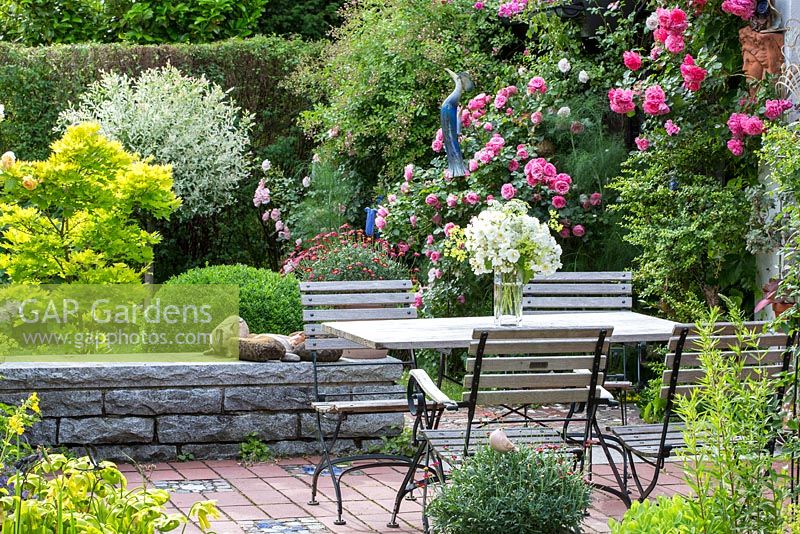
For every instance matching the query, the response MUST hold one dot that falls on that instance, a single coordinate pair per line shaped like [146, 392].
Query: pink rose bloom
[642, 144]
[438, 141]
[550, 170]
[736, 146]
[595, 199]
[672, 20]
[437, 218]
[461, 299]
[564, 232]
[660, 35]
[578, 230]
[432, 200]
[621, 100]
[735, 124]
[403, 247]
[448, 176]
[478, 5]
[500, 101]
[495, 144]
[413, 221]
[576, 128]
[466, 118]
[279, 224]
[522, 152]
[382, 212]
[655, 101]
[489, 198]
[380, 223]
[448, 228]
[275, 214]
[564, 177]
[752, 125]
[408, 172]
[477, 103]
[429, 240]
[561, 187]
[744, 9]
[473, 165]
[436, 256]
[261, 195]
[488, 127]
[508, 191]
[675, 43]
[484, 156]
[656, 52]
[472, 198]
[559, 202]
[672, 128]
[513, 165]
[537, 117]
[392, 198]
[692, 74]
[776, 108]
[537, 85]
[418, 299]
[509, 112]
[632, 60]
[404, 188]
[534, 171]
[452, 200]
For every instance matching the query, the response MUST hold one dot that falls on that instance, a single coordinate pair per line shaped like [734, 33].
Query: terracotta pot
[780, 307]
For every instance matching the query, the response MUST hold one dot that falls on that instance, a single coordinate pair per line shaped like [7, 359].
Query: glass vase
[508, 298]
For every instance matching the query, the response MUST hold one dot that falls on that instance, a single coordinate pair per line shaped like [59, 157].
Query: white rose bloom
[266, 165]
[521, 71]
[564, 65]
[564, 112]
[583, 76]
[652, 21]
[2, 112]
[307, 182]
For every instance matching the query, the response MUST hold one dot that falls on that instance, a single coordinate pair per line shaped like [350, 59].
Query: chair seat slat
[528, 396]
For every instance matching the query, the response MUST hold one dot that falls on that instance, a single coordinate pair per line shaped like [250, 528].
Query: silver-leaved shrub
[187, 122]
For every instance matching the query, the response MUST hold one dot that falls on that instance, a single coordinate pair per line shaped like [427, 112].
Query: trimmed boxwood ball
[269, 302]
[522, 491]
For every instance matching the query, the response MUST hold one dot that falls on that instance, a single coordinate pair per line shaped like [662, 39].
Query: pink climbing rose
[776, 108]
[744, 9]
[537, 85]
[672, 128]
[621, 100]
[692, 74]
[642, 143]
[632, 60]
[736, 146]
[508, 191]
[655, 101]
[438, 141]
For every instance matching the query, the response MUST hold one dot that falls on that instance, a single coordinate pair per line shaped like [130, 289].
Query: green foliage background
[37, 83]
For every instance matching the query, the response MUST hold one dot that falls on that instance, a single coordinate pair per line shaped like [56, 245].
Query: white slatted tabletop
[456, 332]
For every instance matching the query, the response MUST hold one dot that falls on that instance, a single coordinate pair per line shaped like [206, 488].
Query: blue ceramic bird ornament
[451, 123]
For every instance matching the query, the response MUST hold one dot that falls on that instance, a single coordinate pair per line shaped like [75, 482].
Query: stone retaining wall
[156, 411]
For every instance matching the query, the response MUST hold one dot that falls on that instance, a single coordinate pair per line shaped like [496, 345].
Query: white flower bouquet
[505, 240]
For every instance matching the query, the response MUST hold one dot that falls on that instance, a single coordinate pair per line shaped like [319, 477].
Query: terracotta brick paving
[267, 497]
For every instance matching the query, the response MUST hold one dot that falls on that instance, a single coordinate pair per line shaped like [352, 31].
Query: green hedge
[268, 302]
[37, 83]
[46, 22]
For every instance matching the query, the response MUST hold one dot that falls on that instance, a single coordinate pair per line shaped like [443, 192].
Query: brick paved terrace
[273, 497]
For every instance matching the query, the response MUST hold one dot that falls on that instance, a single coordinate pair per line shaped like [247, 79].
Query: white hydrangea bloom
[504, 237]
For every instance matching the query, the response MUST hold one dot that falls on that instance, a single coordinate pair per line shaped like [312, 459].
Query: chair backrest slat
[547, 363]
[599, 290]
[533, 380]
[359, 314]
[342, 287]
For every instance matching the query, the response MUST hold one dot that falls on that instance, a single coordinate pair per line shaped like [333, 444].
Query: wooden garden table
[456, 332]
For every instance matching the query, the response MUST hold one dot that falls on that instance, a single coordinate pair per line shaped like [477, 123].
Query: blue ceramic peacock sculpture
[450, 123]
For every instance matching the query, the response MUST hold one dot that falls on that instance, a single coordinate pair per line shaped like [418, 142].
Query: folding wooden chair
[351, 301]
[653, 444]
[513, 368]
